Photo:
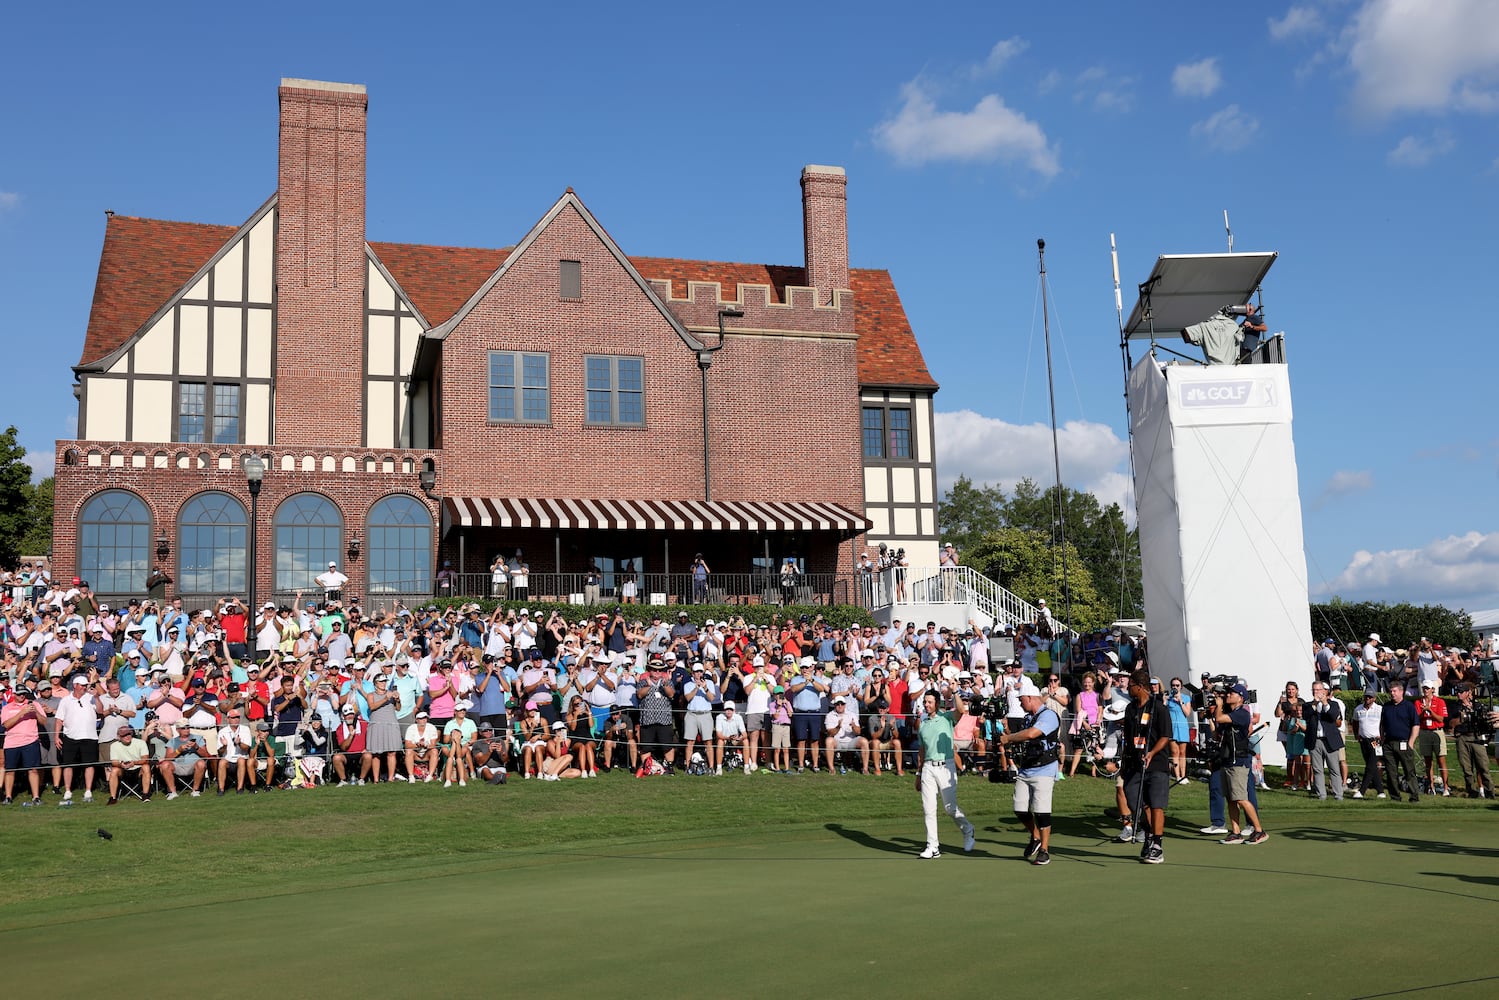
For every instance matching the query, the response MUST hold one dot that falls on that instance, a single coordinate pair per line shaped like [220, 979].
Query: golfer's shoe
[1031, 849]
[1152, 855]
[930, 853]
[1213, 830]
[1127, 834]
[1041, 857]
[968, 841]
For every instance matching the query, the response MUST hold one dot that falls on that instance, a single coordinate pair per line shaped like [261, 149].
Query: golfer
[937, 773]
[1037, 756]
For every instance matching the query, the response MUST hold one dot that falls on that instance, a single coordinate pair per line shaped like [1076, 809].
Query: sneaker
[171, 796]
[462, 783]
[197, 794]
[1381, 795]
[526, 776]
[68, 796]
[1213, 831]
[31, 802]
[341, 784]
[718, 772]
[1257, 837]
[146, 799]
[1030, 849]
[842, 769]
[968, 841]
[1127, 834]
[398, 777]
[1154, 855]
[1183, 781]
[112, 801]
[5, 801]
[1233, 838]
[802, 770]
[447, 784]
[428, 779]
[88, 796]
[1357, 794]
[1041, 857]
[930, 853]
[1446, 792]
[1141, 836]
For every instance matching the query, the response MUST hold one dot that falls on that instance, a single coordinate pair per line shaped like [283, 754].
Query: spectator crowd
[155, 697]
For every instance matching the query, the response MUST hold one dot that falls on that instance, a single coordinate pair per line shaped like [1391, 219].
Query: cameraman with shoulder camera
[1474, 729]
[1146, 749]
[1228, 712]
[1037, 757]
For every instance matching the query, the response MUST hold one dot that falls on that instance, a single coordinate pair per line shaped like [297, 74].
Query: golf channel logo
[1228, 392]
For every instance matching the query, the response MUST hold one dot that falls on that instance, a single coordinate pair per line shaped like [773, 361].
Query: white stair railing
[955, 585]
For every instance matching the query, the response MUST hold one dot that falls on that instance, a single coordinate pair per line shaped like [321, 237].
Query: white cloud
[1199, 79]
[1418, 152]
[41, 463]
[1343, 483]
[1227, 129]
[1051, 81]
[990, 451]
[1297, 22]
[9, 200]
[1447, 570]
[990, 132]
[1095, 85]
[1003, 51]
[1409, 55]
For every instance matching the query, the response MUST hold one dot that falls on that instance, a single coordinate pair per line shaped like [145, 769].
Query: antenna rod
[1118, 302]
[1059, 535]
[1229, 231]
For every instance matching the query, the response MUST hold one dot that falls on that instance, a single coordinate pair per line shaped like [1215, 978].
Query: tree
[1022, 561]
[15, 498]
[967, 513]
[38, 538]
[1396, 624]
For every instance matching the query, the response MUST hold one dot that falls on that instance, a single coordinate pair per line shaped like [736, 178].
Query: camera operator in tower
[1147, 763]
[1037, 751]
[1228, 711]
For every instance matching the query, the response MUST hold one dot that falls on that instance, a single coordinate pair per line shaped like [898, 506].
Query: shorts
[1431, 743]
[961, 745]
[1033, 795]
[79, 753]
[26, 758]
[780, 736]
[1156, 792]
[754, 722]
[806, 726]
[697, 726]
[1180, 732]
[846, 742]
[1235, 783]
[183, 767]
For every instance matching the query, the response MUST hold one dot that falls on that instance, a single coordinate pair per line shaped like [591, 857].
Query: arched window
[400, 546]
[309, 533]
[212, 535]
[114, 543]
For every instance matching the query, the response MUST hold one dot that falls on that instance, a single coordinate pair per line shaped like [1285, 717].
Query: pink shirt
[442, 706]
[20, 733]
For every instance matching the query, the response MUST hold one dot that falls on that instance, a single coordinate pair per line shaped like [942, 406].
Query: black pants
[1373, 774]
[658, 740]
[1397, 760]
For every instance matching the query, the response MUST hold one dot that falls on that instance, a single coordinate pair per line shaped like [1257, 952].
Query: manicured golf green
[738, 886]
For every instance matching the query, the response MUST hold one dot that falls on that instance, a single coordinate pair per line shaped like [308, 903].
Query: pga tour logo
[1230, 392]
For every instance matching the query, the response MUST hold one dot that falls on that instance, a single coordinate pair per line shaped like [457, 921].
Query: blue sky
[1356, 138]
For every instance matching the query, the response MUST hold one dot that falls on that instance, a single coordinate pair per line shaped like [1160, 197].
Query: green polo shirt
[936, 736]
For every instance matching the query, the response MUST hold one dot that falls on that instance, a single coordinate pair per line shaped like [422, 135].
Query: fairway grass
[739, 886]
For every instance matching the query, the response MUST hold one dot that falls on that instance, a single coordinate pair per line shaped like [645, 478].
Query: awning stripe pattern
[653, 515]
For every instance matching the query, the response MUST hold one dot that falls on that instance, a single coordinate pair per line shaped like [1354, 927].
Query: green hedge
[839, 615]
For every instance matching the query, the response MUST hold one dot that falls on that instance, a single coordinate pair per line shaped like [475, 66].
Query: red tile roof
[143, 264]
[146, 261]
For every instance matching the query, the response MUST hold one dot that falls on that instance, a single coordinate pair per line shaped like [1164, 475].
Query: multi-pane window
[211, 542]
[616, 390]
[114, 535]
[309, 530]
[519, 387]
[887, 432]
[208, 414]
[400, 546]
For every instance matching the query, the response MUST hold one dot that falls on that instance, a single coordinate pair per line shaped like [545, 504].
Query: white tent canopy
[1187, 288]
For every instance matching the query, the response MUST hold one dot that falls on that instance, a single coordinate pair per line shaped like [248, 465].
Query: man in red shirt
[350, 738]
[1431, 744]
[232, 621]
[257, 695]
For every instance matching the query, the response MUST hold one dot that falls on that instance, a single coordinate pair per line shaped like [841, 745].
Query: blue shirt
[1046, 720]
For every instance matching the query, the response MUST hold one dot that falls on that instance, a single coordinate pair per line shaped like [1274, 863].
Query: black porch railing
[663, 588]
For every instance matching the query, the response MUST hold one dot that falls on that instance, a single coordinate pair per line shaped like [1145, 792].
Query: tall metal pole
[1060, 535]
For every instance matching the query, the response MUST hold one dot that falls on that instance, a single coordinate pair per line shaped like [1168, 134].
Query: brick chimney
[320, 262]
[825, 229]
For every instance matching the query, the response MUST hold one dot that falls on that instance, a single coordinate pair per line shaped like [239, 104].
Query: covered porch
[650, 548]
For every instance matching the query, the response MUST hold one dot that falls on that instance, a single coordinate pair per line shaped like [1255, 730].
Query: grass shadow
[1324, 835]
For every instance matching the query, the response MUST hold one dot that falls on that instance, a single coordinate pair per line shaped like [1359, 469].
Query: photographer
[1147, 763]
[619, 736]
[1473, 729]
[1037, 756]
[1229, 713]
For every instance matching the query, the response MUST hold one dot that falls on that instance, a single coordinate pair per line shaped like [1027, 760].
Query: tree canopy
[25, 510]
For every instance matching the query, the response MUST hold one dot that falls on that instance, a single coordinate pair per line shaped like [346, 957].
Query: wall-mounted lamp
[428, 478]
[163, 546]
[354, 545]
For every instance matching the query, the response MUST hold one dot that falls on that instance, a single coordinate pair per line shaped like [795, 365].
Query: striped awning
[646, 515]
